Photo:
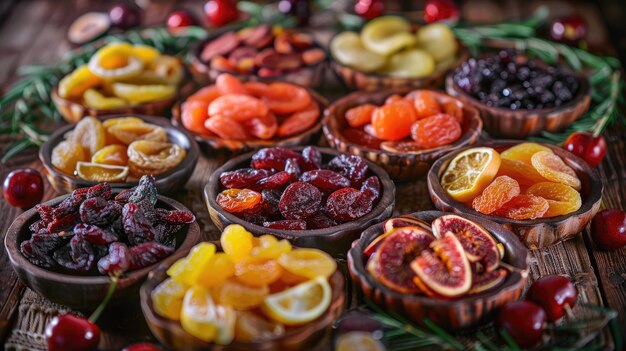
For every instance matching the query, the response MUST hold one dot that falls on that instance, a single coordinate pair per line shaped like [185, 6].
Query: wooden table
[35, 32]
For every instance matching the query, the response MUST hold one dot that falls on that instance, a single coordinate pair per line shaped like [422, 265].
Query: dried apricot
[285, 98]
[256, 89]
[130, 132]
[206, 95]
[523, 206]
[238, 295]
[229, 84]
[454, 109]
[111, 155]
[496, 194]
[241, 108]
[263, 127]
[154, 157]
[238, 200]
[225, 128]
[193, 116]
[299, 121]
[524, 173]
[436, 131]
[393, 122]
[257, 272]
[393, 98]
[360, 115]
[66, 155]
[121, 120]
[523, 151]
[562, 199]
[308, 263]
[89, 133]
[424, 103]
[270, 248]
[552, 167]
[236, 242]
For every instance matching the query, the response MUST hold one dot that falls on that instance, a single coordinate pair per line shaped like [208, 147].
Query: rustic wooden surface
[34, 32]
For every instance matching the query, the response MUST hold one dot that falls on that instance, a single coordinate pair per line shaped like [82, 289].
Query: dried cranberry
[291, 167]
[64, 223]
[81, 253]
[39, 248]
[286, 224]
[352, 167]
[69, 205]
[274, 181]
[45, 212]
[274, 158]
[98, 211]
[371, 187]
[116, 261]
[148, 253]
[311, 158]
[145, 190]
[325, 179]
[300, 200]
[125, 195]
[271, 201]
[165, 233]
[242, 178]
[320, 221]
[175, 216]
[102, 190]
[136, 226]
[348, 204]
[94, 234]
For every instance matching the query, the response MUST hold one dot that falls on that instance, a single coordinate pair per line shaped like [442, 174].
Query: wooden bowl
[307, 137]
[334, 240]
[400, 166]
[451, 314]
[76, 291]
[171, 334]
[167, 183]
[534, 233]
[518, 124]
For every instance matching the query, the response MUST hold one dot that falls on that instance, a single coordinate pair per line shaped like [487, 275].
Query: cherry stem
[598, 128]
[568, 312]
[98, 311]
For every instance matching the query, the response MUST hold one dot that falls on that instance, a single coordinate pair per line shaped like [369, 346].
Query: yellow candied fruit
[269, 247]
[145, 53]
[167, 298]
[202, 318]
[308, 263]
[236, 242]
[240, 296]
[111, 155]
[116, 61]
[95, 99]
[188, 269]
[74, 85]
[154, 157]
[219, 268]
[101, 173]
[139, 94]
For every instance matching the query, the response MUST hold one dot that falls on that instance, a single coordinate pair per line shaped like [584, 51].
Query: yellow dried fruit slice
[348, 49]
[523, 151]
[94, 99]
[438, 39]
[101, 173]
[469, 173]
[387, 34]
[66, 155]
[121, 120]
[139, 94]
[552, 167]
[413, 63]
[167, 298]
[116, 61]
[300, 304]
[154, 157]
[145, 53]
[90, 134]
[204, 319]
[168, 68]
[111, 155]
[130, 132]
[74, 85]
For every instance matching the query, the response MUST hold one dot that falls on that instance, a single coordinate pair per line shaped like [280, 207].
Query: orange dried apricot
[193, 116]
[523, 206]
[524, 173]
[225, 128]
[523, 151]
[424, 103]
[552, 167]
[229, 84]
[206, 95]
[435, 131]
[240, 108]
[393, 98]
[238, 295]
[264, 127]
[496, 194]
[90, 134]
[256, 89]
[256, 272]
[360, 115]
[237, 200]
[66, 155]
[562, 199]
[285, 98]
[299, 121]
[393, 121]
[127, 133]
[454, 109]
[115, 154]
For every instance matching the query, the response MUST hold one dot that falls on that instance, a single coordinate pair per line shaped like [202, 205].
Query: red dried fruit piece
[311, 158]
[45, 213]
[137, 226]
[175, 216]
[242, 53]
[39, 227]
[221, 45]
[325, 179]
[238, 107]
[243, 177]
[500, 191]
[148, 253]
[425, 103]
[320, 221]
[348, 204]
[229, 84]
[124, 195]
[65, 223]
[102, 190]
[94, 234]
[313, 56]
[287, 224]
[524, 206]
[226, 128]
[454, 109]
[274, 181]
[272, 60]
[238, 200]
[371, 188]
[282, 44]
[359, 137]
[69, 205]
[291, 167]
[98, 211]
[436, 131]
[264, 127]
[300, 200]
[352, 167]
[255, 35]
[360, 115]
[273, 158]
[116, 261]
[82, 254]
[299, 121]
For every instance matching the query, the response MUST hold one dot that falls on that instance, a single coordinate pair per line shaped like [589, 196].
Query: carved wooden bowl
[534, 233]
[451, 314]
[334, 240]
[400, 166]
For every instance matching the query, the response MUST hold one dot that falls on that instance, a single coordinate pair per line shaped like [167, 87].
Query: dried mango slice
[74, 85]
[139, 94]
[95, 99]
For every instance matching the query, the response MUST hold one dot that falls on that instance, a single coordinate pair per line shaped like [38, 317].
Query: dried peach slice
[121, 120]
[130, 132]
[115, 155]
[66, 155]
[523, 151]
[523, 206]
[562, 199]
[499, 192]
[95, 99]
[521, 171]
[90, 134]
[154, 157]
[552, 167]
[206, 95]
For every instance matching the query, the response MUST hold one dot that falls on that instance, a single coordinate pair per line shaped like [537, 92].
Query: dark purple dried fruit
[102, 190]
[98, 211]
[65, 223]
[286, 224]
[94, 234]
[311, 158]
[137, 227]
[116, 261]
[271, 201]
[348, 204]
[45, 213]
[175, 216]
[145, 190]
[40, 247]
[352, 167]
[325, 179]
[81, 254]
[148, 253]
[69, 205]
[300, 200]
[371, 187]
[273, 158]
[242, 178]
[320, 221]
[291, 167]
[125, 195]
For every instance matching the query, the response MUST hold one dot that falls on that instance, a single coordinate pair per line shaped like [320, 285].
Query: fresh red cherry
[125, 16]
[586, 146]
[570, 29]
[23, 188]
[553, 293]
[221, 12]
[441, 10]
[68, 332]
[369, 9]
[142, 346]
[180, 19]
[524, 321]
[608, 229]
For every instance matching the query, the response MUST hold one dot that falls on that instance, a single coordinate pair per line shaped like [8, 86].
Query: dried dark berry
[242, 178]
[81, 254]
[291, 167]
[325, 179]
[254, 217]
[98, 211]
[64, 223]
[125, 195]
[352, 167]
[63, 257]
[311, 158]
[320, 221]
[274, 181]
[137, 227]
[300, 200]
[69, 205]
[165, 232]
[94, 234]
[145, 190]
[116, 261]
[175, 216]
[45, 212]
[271, 201]
[286, 224]
[148, 253]
[102, 190]
[371, 187]
[348, 204]
[40, 247]
[274, 158]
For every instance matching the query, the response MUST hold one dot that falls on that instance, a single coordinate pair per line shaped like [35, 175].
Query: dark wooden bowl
[308, 137]
[518, 124]
[310, 76]
[83, 292]
[534, 233]
[400, 166]
[167, 183]
[451, 314]
[334, 240]
[172, 335]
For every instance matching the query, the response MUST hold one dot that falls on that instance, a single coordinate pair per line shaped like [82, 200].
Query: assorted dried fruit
[449, 258]
[90, 231]
[231, 109]
[287, 190]
[111, 150]
[389, 45]
[421, 120]
[120, 75]
[525, 181]
[264, 50]
[257, 288]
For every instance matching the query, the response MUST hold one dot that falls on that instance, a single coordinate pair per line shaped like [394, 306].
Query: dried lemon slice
[145, 53]
[470, 172]
[300, 304]
[139, 94]
[116, 61]
[204, 319]
[153, 157]
[95, 99]
[96, 172]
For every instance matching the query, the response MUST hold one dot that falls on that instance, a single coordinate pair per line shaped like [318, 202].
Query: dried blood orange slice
[552, 167]
[470, 172]
[562, 199]
[499, 192]
[488, 280]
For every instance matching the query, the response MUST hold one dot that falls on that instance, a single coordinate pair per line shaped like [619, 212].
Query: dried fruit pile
[388, 45]
[263, 50]
[107, 151]
[526, 181]
[287, 190]
[90, 231]
[120, 75]
[256, 289]
[417, 121]
[449, 258]
[231, 109]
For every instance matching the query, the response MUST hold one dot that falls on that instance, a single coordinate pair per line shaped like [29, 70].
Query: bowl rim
[465, 138]
[336, 280]
[176, 120]
[190, 161]
[18, 260]
[584, 90]
[595, 185]
[387, 198]
[514, 281]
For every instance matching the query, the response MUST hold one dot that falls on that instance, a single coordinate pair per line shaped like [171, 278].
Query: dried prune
[291, 167]
[325, 179]
[81, 253]
[348, 204]
[102, 190]
[300, 200]
[371, 187]
[98, 211]
[242, 178]
[125, 195]
[274, 181]
[320, 221]
[175, 216]
[45, 213]
[145, 190]
[311, 158]
[165, 233]
[352, 167]
[64, 223]
[148, 253]
[136, 226]
[69, 205]
[287, 224]
[39, 248]
[63, 257]
[94, 234]
[116, 261]
[274, 158]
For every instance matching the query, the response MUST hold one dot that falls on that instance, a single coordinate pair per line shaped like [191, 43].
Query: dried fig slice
[488, 280]
[478, 244]
[445, 269]
[394, 255]
[406, 221]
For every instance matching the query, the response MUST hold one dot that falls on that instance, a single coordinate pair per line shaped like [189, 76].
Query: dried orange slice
[116, 61]
[470, 172]
[300, 304]
[204, 319]
[101, 173]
